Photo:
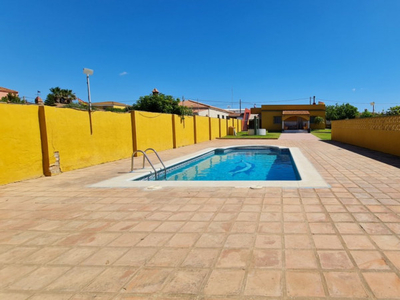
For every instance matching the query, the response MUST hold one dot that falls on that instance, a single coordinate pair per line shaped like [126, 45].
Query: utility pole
[310, 100]
[240, 106]
[373, 107]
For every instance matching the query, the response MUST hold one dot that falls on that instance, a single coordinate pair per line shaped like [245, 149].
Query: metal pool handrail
[144, 156]
[155, 152]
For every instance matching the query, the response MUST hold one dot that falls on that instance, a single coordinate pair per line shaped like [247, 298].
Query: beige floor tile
[345, 284]
[233, 258]
[105, 256]
[304, 284]
[386, 242]
[39, 278]
[168, 258]
[74, 256]
[334, 260]
[136, 257]
[327, 242]
[298, 241]
[294, 227]
[300, 259]
[183, 240]
[268, 241]
[239, 241]
[244, 227]
[320, 228]
[267, 258]
[201, 258]
[369, 260]
[224, 282]
[210, 240]
[394, 257]
[111, 281]
[186, 282]
[148, 281]
[12, 273]
[263, 283]
[349, 228]
[155, 240]
[357, 242]
[383, 285]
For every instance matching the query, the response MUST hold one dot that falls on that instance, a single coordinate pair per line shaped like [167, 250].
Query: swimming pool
[309, 176]
[234, 164]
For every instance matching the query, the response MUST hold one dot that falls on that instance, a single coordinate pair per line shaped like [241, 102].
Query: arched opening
[295, 120]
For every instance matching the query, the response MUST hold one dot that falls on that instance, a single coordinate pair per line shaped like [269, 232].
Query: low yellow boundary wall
[380, 133]
[43, 140]
[21, 150]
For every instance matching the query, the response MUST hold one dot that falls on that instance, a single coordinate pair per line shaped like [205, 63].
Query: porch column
[283, 125]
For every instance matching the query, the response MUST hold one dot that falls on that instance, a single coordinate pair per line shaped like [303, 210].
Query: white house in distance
[205, 110]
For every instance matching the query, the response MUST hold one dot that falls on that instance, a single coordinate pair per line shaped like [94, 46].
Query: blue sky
[216, 52]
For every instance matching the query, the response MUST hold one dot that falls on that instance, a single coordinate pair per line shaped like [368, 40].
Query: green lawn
[244, 135]
[323, 134]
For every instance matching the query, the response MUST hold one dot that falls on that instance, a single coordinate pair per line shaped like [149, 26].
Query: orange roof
[295, 112]
[5, 90]
[198, 106]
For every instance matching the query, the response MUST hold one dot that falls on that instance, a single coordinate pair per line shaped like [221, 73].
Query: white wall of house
[213, 113]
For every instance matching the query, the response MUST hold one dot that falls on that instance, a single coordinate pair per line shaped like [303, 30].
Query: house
[205, 110]
[290, 117]
[109, 104]
[4, 92]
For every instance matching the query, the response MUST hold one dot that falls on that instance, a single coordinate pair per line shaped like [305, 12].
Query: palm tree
[59, 95]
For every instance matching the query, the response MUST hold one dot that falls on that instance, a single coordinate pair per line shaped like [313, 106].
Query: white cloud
[123, 73]
[354, 90]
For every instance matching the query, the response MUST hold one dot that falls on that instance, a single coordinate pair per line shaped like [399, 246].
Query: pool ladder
[146, 157]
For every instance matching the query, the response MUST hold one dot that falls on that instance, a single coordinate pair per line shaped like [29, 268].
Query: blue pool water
[241, 163]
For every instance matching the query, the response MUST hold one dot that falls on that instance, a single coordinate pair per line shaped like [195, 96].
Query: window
[223, 117]
[278, 120]
[218, 116]
[312, 119]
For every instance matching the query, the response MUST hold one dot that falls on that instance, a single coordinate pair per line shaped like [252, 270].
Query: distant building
[108, 104]
[290, 117]
[205, 110]
[4, 92]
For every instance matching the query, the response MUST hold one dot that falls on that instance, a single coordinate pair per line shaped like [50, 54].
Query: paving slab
[60, 238]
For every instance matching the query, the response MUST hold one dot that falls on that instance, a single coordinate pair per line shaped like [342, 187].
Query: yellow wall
[21, 151]
[202, 129]
[153, 130]
[223, 126]
[380, 133]
[68, 132]
[214, 128]
[31, 137]
[184, 131]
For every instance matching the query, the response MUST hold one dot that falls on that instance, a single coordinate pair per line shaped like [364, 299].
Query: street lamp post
[88, 72]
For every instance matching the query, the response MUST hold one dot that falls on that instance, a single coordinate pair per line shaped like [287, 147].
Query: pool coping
[310, 178]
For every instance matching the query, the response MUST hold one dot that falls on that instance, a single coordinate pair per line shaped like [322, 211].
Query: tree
[58, 95]
[319, 120]
[158, 102]
[341, 112]
[393, 111]
[12, 98]
[366, 114]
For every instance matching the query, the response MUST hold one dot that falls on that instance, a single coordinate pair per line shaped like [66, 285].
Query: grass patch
[244, 135]
[323, 134]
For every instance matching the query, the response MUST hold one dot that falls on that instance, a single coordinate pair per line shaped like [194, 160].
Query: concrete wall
[69, 134]
[380, 133]
[153, 130]
[184, 131]
[43, 140]
[21, 150]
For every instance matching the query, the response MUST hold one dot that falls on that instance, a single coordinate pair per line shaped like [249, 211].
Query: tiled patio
[60, 239]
